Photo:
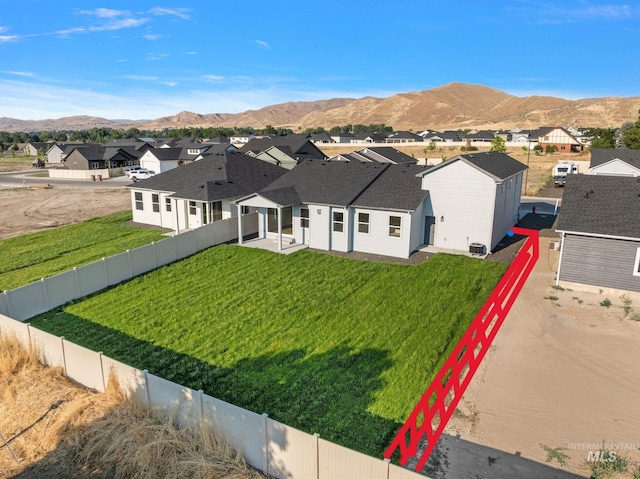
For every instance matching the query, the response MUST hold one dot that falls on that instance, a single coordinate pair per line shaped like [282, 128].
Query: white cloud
[169, 83]
[555, 13]
[190, 53]
[9, 38]
[263, 44]
[213, 77]
[152, 57]
[106, 13]
[176, 12]
[141, 77]
[151, 36]
[21, 74]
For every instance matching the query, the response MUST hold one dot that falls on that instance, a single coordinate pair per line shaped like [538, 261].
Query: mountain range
[452, 106]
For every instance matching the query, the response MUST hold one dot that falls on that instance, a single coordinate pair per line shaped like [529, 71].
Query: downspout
[175, 205]
[560, 258]
[279, 228]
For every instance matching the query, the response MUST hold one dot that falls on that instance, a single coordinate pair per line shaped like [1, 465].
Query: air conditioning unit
[554, 245]
[476, 248]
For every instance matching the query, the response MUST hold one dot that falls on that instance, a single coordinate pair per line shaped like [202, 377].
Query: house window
[95, 165]
[636, 266]
[192, 208]
[363, 223]
[216, 211]
[394, 226]
[244, 210]
[167, 204]
[139, 205]
[304, 218]
[155, 202]
[338, 221]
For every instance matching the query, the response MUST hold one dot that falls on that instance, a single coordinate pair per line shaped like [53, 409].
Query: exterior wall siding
[507, 206]
[320, 224]
[599, 262]
[616, 168]
[462, 200]
[377, 240]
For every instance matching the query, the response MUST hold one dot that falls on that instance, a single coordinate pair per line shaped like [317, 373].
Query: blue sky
[144, 59]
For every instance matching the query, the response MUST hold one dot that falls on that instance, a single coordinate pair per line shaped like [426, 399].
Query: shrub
[605, 302]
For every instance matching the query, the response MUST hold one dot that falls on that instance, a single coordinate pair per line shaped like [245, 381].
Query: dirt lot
[34, 209]
[561, 376]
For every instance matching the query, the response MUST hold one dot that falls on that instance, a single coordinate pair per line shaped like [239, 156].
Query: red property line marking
[432, 413]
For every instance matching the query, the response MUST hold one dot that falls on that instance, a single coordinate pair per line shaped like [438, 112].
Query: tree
[498, 144]
[602, 137]
[631, 136]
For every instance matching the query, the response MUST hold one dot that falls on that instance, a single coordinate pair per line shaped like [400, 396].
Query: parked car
[141, 174]
[129, 169]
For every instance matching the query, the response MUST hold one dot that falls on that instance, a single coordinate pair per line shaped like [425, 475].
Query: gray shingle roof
[227, 175]
[302, 148]
[321, 182]
[494, 163]
[390, 154]
[600, 156]
[397, 188]
[601, 205]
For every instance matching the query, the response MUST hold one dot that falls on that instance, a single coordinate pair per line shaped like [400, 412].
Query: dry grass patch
[58, 429]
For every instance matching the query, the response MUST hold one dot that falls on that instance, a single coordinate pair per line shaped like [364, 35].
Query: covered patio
[271, 244]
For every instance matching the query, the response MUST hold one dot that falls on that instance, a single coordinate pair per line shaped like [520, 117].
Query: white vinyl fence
[268, 445]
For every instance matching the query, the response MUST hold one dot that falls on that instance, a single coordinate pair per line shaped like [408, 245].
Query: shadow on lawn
[326, 393]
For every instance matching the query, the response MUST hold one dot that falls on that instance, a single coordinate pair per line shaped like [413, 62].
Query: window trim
[636, 264]
[139, 200]
[167, 204]
[335, 222]
[193, 209]
[155, 202]
[395, 231]
[304, 217]
[364, 223]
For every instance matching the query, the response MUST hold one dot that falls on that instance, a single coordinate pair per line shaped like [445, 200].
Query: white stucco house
[200, 192]
[391, 209]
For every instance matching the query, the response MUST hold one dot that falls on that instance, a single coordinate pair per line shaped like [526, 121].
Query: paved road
[545, 206]
[19, 179]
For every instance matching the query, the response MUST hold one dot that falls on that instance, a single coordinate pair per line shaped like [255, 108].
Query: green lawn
[331, 345]
[30, 257]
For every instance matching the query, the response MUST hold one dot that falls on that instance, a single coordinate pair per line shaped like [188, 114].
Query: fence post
[106, 271]
[155, 259]
[7, 294]
[75, 275]
[146, 386]
[45, 293]
[316, 456]
[130, 264]
[104, 381]
[64, 356]
[265, 418]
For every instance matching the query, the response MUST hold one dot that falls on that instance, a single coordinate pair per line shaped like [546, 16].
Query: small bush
[552, 298]
[468, 148]
[555, 454]
[605, 303]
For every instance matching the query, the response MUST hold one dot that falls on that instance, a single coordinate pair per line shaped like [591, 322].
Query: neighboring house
[200, 192]
[600, 229]
[615, 161]
[482, 136]
[140, 144]
[164, 159]
[380, 154]
[296, 148]
[473, 198]
[35, 148]
[391, 209]
[403, 137]
[241, 139]
[448, 136]
[277, 155]
[365, 137]
[342, 137]
[564, 141]
[323, 137]
[55, 154]
[100, 157]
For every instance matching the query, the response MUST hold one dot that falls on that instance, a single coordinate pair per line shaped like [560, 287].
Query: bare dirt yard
[560, 379]
[37, 208]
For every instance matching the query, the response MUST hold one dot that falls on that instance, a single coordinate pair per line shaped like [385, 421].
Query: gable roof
[387, 154]
[302, 148]
[601, 205]
[496, 164]
[600, 156]
[216, 177]
[398, 187]
[323, 182]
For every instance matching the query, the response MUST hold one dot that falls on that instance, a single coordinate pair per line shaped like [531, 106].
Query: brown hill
[452, 106]
[81, 122]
